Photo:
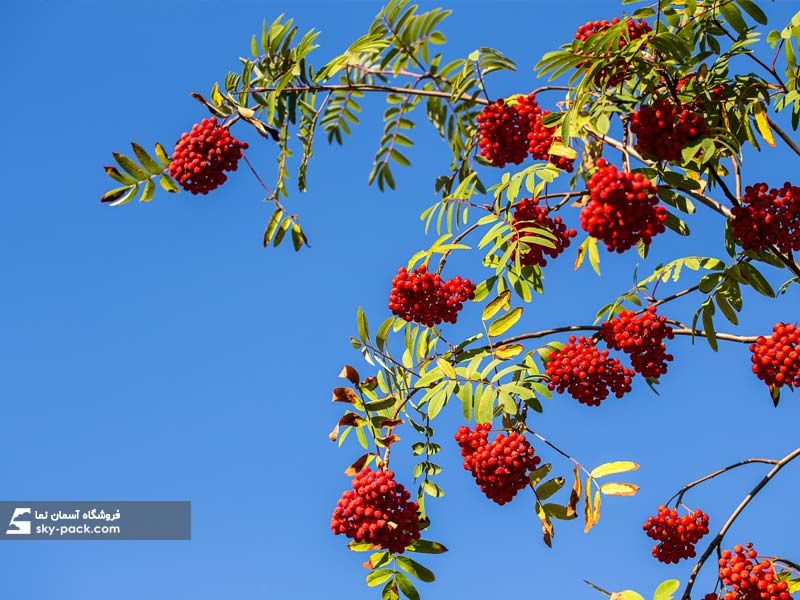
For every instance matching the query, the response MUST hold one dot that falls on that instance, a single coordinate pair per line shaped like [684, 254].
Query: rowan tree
[631, 127]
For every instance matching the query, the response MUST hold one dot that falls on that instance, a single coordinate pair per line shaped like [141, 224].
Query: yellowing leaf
[446, 368]
[620, 466]
[763, 125]
[508, 350]
[505, 322]
[619, 489]
[491, 309]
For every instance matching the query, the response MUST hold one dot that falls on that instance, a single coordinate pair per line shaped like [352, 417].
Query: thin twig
[678, 496]
[717, 541]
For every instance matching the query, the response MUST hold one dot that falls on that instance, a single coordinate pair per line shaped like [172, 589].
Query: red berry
[768, 217]
[664, 129]
[586, 373]
[776, 359]
[377, 511]
[528, 213]
[618, 68]
[623, 208]
[642, 337]
[676, 535]
[636, 29]
[540, 137]
[424, 298]
[748, 578]
[501, 467]
[202, 156]
[503, 134]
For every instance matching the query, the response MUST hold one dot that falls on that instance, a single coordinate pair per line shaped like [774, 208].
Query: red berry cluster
[665, 128]
[529, 213]
[636, 29]
[776, 359]
[642, 337]
[623, 208]
[501, 467]
[511, 131]
[540, 138]
[586, 373]
[377, 511]
[676, 535]
[202, 156]
[503, 134]
[424, 298]
[768, 217]
[748, 578]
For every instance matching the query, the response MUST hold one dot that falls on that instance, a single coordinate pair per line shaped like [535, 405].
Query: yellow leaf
[502, 301]
[619, 466]
[619, 489]
[508, 351]
[446, 368]
[763, 125]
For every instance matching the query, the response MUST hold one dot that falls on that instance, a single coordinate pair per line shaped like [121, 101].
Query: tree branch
[717, 541]
[678, 496]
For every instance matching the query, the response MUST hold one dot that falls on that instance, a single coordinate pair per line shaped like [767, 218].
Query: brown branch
[678, 496]
[717, 541]
[742, 339]
[784, 136]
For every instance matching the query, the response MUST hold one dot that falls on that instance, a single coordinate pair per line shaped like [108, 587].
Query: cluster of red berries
[511, 131]
[642, 337]
[676, 535]
[529, 213]
[618, 69]
[748, 578]
[540, 137]
[202, 156]
[377, 511]
[623, 208]
[768, 217]
[636, 29]
[503, 134]
[501, 467]
[424, 298]
[776, 359]
[586, 373]
[664, 129]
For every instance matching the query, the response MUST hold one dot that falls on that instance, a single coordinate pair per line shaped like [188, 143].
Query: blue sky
[158, 352]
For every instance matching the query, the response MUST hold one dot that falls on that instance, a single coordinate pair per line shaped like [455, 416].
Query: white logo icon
[21, 527]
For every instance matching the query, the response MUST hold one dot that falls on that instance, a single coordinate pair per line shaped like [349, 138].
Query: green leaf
[117, 176]
[549, 487]
[149, 163]
[363, 329]
[484, 411]
[505, 322]
[148, 192]
[708, 325]
[756, 279]
[667, 589]
[272, 225]
[379, 576]
[169, 184]
[131, 167]
[427, 547]
[620, 466]
[408, 589]
[411, 566]
[162, 155]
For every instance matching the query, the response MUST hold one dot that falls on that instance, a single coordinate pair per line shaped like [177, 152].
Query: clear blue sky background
[157, 352]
